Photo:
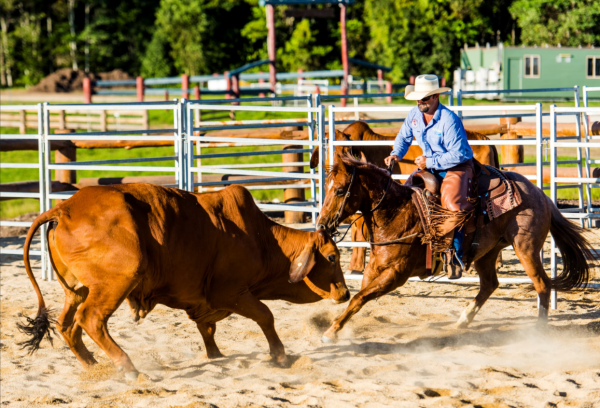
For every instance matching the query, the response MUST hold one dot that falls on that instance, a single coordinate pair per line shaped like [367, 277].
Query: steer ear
[302, 265]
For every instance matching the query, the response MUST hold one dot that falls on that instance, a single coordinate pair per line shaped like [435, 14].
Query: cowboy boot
[455, 267]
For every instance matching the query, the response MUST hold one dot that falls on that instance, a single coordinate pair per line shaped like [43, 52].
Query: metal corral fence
[267, 177]
[38, 111]
[185, 162]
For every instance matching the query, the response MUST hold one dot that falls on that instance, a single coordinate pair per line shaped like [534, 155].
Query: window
[532, 66]
[593, 67]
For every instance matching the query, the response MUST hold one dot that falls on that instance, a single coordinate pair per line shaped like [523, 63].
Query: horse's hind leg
[529, 255]
[381, 285]
[488, 281]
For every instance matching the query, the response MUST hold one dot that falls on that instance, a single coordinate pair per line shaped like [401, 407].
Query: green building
[490, 68]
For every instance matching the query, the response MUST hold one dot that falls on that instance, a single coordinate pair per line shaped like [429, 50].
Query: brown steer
[210, 254]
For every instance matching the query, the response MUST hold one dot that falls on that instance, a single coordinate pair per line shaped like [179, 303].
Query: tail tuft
[37, 329]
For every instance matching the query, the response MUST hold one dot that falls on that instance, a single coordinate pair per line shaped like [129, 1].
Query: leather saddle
[493, 194]
[486, 180]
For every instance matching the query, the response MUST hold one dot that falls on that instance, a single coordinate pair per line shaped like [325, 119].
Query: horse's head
[344, 193]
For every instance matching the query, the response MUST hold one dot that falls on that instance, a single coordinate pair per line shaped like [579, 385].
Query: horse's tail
[575, 250]
[39, 327]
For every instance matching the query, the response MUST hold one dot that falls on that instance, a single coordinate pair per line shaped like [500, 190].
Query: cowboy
[446, 154]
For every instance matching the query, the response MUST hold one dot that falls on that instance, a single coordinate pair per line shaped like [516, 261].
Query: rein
[347, 195]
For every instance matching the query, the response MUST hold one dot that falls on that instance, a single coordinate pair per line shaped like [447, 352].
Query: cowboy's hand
[421, 162]
[388, 160]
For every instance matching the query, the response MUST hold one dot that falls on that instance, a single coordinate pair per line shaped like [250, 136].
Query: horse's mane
[369, 169]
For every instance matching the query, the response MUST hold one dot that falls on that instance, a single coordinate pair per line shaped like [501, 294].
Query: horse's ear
[314, 158]
[363, 158]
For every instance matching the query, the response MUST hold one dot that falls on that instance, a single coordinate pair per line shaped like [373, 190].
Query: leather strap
[428, 261]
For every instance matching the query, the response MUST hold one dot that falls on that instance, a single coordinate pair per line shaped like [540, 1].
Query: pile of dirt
[69, 80]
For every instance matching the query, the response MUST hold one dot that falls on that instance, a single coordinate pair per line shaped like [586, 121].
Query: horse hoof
[131, 375]
[327, 340]
[462, 325]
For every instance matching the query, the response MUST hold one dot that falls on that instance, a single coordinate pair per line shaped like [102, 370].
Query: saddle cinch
[492, 194]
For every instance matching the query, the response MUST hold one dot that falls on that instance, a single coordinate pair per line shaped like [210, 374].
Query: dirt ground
[400, 351]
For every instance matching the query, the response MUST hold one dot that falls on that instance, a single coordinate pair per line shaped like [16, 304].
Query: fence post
[511, 153]
[388, 89]
[197, 92]
[185, 86]
[344, 92]
[103, 121]
[139, 87]
[62, 120]
[293, 195]
[23, 124]
[87, 90]
[261, 81]
[65, 155]
[235, 87]
[553, 196]
[227, 84]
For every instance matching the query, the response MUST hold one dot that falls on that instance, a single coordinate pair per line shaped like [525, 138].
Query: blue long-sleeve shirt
[444, 140]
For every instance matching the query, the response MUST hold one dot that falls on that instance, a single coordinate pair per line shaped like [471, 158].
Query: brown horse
[390, 266]
[376, 154]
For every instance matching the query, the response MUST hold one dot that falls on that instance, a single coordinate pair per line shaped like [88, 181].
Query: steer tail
[39, 327]
[575, 250]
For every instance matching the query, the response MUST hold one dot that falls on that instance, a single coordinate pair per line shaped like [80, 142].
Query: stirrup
[455, 271]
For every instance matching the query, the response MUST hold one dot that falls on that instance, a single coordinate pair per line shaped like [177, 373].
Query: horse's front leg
[387, 281]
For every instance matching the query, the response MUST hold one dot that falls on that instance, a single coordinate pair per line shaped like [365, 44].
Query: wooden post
[197, 92]
[388, 89]
[145, 121]
[227, 84]
[87, 90]
[62, 120]
[511, 154]
[185, 86]
[23, 122]
[261, 81]
[411, 80]
[345, 65]
[293, 195]
[270, 11]
[139, 87]
[235, 87]
[103, 121]
[65, 155]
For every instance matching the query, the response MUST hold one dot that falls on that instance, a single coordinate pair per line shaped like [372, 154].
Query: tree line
[156, 38]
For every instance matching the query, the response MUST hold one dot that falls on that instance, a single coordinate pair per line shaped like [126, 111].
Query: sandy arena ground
[399, 351]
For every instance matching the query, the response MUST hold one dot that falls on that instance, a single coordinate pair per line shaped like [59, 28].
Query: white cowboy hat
[424, 86]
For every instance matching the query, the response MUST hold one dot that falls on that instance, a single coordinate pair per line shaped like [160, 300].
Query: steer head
[344, 193]
[318, 266]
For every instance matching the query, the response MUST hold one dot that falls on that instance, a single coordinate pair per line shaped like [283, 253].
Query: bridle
[336, 221]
